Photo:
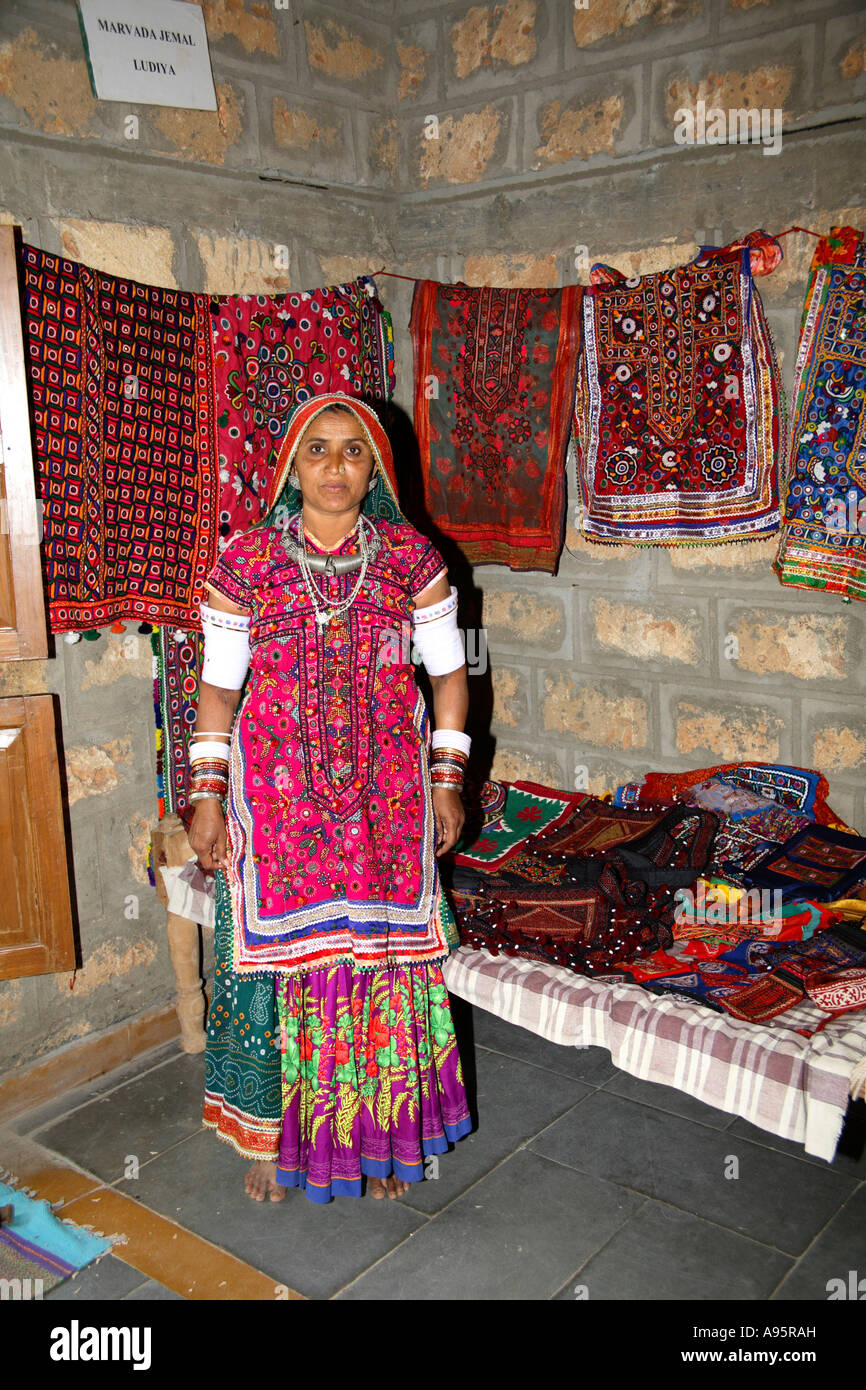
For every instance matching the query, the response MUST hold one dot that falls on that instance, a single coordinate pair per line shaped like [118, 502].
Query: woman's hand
[450, 815]
[207, 835]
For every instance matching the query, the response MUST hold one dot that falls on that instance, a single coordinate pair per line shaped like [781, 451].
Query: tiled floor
[578, 1181]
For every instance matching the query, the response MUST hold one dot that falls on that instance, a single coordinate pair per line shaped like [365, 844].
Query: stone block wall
[536, 138]
[510, 144]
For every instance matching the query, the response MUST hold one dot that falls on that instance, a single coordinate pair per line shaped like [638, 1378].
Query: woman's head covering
[381, 501]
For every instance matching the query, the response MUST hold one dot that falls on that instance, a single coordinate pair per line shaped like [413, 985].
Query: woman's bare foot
[392, 1187]
[261, 1182]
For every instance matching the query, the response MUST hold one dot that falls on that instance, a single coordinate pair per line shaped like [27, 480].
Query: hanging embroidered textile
[678, 403]
[494, 385]
[823, 542]
[120, 378]
[271, 352]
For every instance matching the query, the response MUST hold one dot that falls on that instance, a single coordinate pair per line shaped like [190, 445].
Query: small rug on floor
[37, 1246]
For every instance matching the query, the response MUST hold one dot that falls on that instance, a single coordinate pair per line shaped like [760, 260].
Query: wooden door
[35, 909]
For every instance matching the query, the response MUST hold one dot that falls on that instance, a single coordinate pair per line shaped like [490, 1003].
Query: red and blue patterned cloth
[823, 544]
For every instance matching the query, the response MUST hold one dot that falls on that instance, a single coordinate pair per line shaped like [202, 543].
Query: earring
[373, 482]
[294, 480]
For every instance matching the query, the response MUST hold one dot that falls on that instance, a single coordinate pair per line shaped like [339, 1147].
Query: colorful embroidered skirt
[368, 1080]
[242, 1058]
[372, 1080]
[823, 544]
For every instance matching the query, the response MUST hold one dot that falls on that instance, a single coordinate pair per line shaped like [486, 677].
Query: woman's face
[334, 462]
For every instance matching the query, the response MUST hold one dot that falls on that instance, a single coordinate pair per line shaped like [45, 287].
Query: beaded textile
[678, 403]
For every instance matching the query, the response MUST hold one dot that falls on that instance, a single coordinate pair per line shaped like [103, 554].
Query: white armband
[437, 637]
[226, 647]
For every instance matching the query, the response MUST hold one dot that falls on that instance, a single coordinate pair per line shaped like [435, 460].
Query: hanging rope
[737, 246]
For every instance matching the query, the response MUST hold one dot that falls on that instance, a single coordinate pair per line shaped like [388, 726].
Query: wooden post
[171, 848]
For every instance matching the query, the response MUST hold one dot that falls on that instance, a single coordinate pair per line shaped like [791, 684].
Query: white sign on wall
[148, 51]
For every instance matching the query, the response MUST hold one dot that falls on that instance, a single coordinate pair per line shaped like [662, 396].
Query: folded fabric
[711, 915]
[828, 952]
[603, 906]
[501, 817]
[823, 542]
[740, 844]
[191, 892]
[838, 991]
[818, 863]
[760, 1000]
[659, 964]
[797, 789]
[494, 385]
[678, 402]
[717, 794]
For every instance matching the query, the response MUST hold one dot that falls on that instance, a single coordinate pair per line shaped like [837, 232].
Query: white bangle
[210, 749]
[451, 738]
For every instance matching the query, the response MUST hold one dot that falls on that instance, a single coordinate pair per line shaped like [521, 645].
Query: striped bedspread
[793, 1086]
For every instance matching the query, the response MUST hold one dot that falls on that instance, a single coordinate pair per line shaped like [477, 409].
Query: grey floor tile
[774, 1199]
[140, 1119]
[313, 1249]
[839, 1251]
[514, 1102]
[151, 1291]
[514, 1236]
[665, 1254]
[850, 1155]
[589, 1064]
[41, 1115]
[108, 1278]
[667, 1098]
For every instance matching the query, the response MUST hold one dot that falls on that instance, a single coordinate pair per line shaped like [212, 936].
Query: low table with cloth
[664, 995]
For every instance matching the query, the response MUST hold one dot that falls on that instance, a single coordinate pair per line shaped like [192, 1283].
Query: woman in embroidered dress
[331, 1053]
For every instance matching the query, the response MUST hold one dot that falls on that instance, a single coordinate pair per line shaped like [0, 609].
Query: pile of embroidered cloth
[735, 887]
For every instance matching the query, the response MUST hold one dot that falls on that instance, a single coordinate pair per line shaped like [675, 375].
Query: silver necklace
[330, 565]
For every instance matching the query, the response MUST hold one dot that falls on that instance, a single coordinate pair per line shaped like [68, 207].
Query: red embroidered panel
[494, 384]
